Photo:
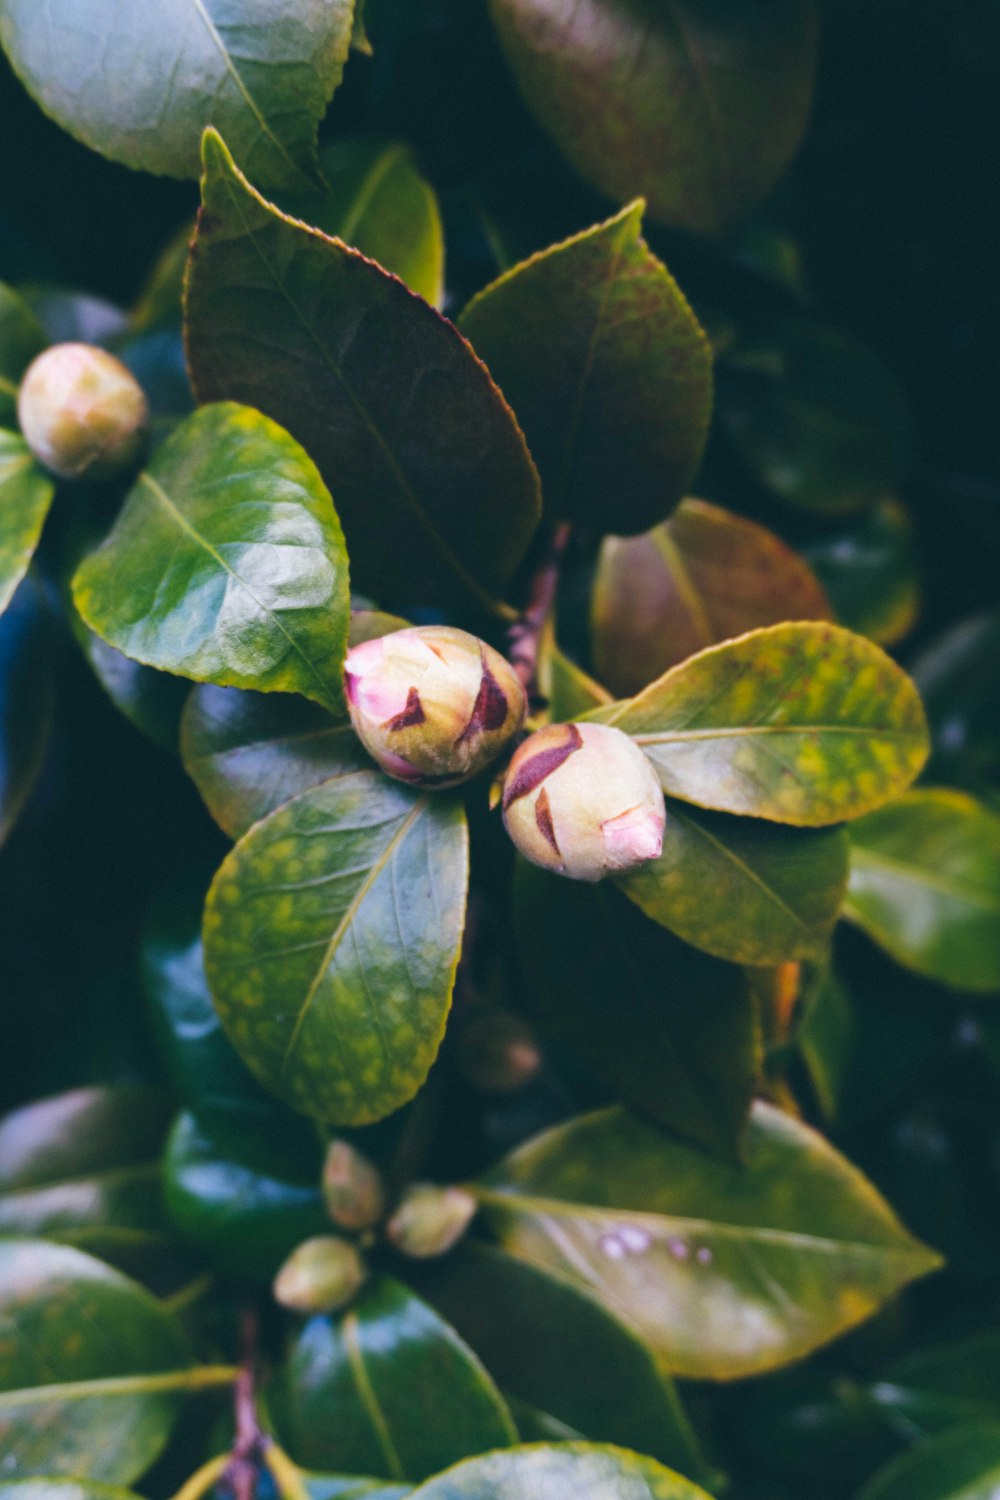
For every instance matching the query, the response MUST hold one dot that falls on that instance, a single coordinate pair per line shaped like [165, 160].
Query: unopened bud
[498, 1052]
[433, 705]
[320, 1276]
[430, 1220]
[352, 1188]
[83, 413]
[583, 800]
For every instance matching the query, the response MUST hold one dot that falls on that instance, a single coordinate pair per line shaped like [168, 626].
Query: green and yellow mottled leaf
[587, 1471]
[26, 492]
[804, 724]
[331, 938]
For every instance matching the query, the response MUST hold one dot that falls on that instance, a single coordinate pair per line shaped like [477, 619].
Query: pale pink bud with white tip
[432, 705]
[582, 800]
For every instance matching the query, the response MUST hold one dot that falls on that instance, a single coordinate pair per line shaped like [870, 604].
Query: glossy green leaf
[699, 107]
[338, 1487]
[871, 573]
[264, 74]
[92, 1368]
[26, 492]
[387, 1388]
[550, 1345]
[62, 1489]
[377, 202]
[963, 1464]
[84, 1168]
[817, 419]
[227, 563]
[681, 1042]
[743, 890]
[959, 680]
[245, 1188]
[724, 1270]
[568, 690]
[434, 484]
[925, 884]
[21, 338]
[702, 577]
[608, 370]
[942, 1385]
[804, 724]
[26, 698]
[824, 1039]
[331, 939]
[586, 1471]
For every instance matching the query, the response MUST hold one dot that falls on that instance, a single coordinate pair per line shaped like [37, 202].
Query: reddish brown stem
[524, 635]
[241, 1472]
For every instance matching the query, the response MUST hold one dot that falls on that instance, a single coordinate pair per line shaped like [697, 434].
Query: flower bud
[320, 1275]
[498, 1052]
[352, 1188]
[430, 1220]
[82, 413]
[583, 800]
[433, 705]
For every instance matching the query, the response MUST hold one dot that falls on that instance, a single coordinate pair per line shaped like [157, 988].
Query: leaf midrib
[368, 1398]
[198, 1377]
[103, 1177]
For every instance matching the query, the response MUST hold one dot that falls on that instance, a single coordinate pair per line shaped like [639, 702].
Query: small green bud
[352, 1188]
[582, 800]
[430, 1220]
[82, 413]
[320, 1275]
[431, 704]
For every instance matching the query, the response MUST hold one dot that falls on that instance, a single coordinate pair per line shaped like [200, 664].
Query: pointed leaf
[871, 573]
[227, 563]
[387, 1388]
[26, 698]
[26, 492]
[586, 1471]
[551, 1346]
[21, 338]
[804, 724]
[963, 1464]
[92, 1368]
[925, 884]
[942, 1385]
[682, 1042]
[702, 577]
[331, 938]
[726, 1271]
[743, 890]
[698, 107]
[263, 73]
[435, 486]
[608, 370]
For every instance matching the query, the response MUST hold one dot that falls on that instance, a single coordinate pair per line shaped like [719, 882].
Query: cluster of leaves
[621, 1075]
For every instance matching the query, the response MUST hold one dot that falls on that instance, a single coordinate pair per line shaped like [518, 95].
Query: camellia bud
[433, 705]
[352, 1188]
[583, 800]
[82, 413]
[430, 1220]
[320, 1275]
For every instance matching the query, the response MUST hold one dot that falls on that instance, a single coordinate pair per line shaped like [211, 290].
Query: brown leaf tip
[533, 771]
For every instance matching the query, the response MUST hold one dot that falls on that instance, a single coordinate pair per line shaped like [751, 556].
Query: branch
[525, 634]
[242, 1470]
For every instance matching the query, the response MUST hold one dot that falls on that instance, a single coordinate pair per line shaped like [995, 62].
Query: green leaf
[925, 884]
[151, 701]
[83, 1168]
[245, 1187]
[963, 1464]
[871, 573]
[92, 1368]
[553, 1472]
[608, 370]
[959, 680]
[743, 890]
[681, 1043]
[62, 1489]
[348, 1487]
[816, 418]
[26, 698]
[699, 108]
[263, 74]
[435, 486]
[702, 577]
[378, 202]
[724, 1270]
[804, 724]
[387, 1388]
[332, 934]
[942, 1385]
[824, 1039]
[568, 690]
[551, 1346]
[21, 338]
[26, 492]
[227, 563]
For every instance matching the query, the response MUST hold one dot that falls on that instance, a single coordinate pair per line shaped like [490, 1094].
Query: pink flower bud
[82, 413]
[431, 704]
[582, 800]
